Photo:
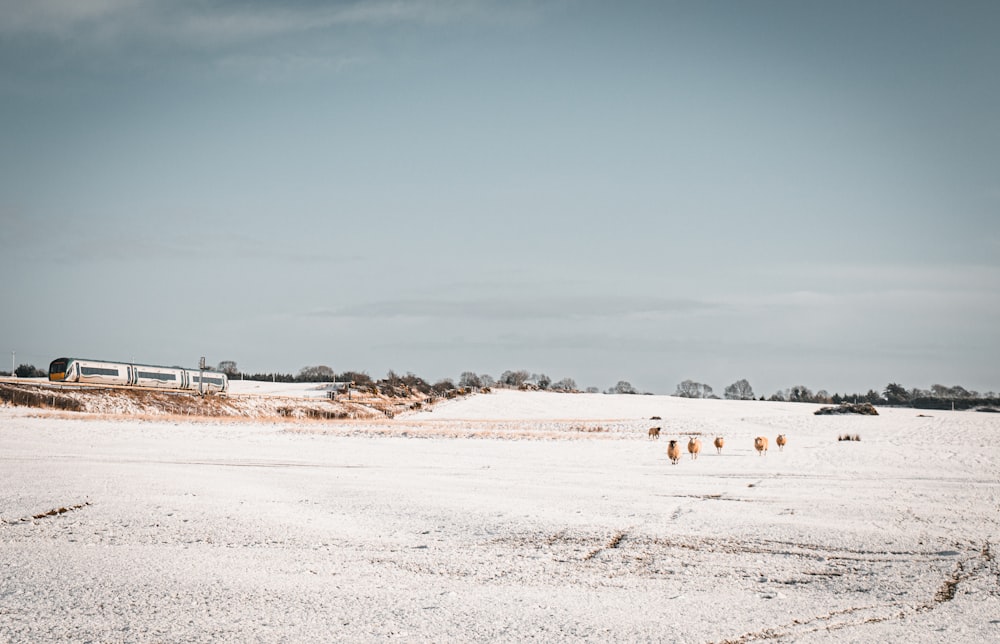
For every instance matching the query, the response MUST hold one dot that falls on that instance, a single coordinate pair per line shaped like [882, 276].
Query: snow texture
[501, 517]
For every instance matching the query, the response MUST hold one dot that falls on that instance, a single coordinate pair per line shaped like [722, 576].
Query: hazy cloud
[283, 66]
[554, 307]
[132, 246]
[62, 18]
[219, 23]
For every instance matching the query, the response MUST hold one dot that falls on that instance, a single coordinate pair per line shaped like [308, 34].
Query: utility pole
[201, 375]
[12, 368]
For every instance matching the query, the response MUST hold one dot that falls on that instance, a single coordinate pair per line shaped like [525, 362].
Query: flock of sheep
[760, 443]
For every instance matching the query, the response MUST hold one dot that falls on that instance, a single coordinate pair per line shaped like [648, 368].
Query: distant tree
[837, 399]
[357, 377]
[874, 397]
[940, 391]
[566, 384]
[593, 390]
[270, 377]
[416, 383]
[228, 367]
[777, 396]
[319, 373]
[739, 390]
[469, 379]
[822, 396]
[486, 380]
[623, 387]
[800, 393]
[541, 380]
[514, 378]
[961, 392]
[29, 371]
[692, 389]
[896, 394]
[443, 386]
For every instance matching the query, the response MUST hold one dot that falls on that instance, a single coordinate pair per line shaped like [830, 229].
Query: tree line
[894, 394]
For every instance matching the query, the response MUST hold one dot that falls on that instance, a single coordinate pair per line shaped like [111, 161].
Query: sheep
[674, 452]
[760, 444]
[781, 440]
[719, 443]
[654, 432]
[694, 446]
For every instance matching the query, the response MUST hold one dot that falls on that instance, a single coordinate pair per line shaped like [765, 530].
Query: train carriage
[127, 374]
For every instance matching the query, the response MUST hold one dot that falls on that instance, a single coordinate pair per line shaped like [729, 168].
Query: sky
[788, 192]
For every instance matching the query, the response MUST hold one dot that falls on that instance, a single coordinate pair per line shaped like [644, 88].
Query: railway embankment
[132, 401]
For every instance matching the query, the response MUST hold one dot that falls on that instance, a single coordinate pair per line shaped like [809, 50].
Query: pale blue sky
[788, 192]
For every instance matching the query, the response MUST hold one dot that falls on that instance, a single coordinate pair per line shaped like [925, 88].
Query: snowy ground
[222, 531]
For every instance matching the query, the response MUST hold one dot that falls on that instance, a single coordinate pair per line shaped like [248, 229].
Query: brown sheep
[674, 452]
[719, 443]
[760, 444]
[781, 440]
[694, 446]
[654, 432]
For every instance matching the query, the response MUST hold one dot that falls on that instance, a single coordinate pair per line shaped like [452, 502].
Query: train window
[152, 375]
[97, 371]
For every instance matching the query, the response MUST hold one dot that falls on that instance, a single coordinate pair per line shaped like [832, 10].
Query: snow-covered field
[242, 532]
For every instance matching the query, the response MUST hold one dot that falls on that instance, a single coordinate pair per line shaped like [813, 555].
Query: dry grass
[25, 397]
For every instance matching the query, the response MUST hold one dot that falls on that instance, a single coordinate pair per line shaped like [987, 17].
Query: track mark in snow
[966, 570]
[946, 592]
[51, 513]
[794, 628]
[611, 545]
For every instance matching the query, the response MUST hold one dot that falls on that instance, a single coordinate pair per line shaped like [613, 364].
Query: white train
[120, 373]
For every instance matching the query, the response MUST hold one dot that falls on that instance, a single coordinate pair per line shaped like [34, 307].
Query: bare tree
[319, 373]
[357, 377]
[623, 387]
[416, 383]
[441, 387]
[469, 379]
[228, 367]
[800, 393]
[566, 384]
[541, 380]
[739, 390]
[514, 378]
[692, 389]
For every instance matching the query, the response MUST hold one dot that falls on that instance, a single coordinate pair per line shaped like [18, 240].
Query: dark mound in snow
[866, 409]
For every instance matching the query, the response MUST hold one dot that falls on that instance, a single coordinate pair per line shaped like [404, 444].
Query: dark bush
[29, 371]
[865, 409]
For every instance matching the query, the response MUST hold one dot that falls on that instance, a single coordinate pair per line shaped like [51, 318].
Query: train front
[58, 368]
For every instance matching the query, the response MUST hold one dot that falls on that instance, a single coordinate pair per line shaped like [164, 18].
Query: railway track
[48, 385]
